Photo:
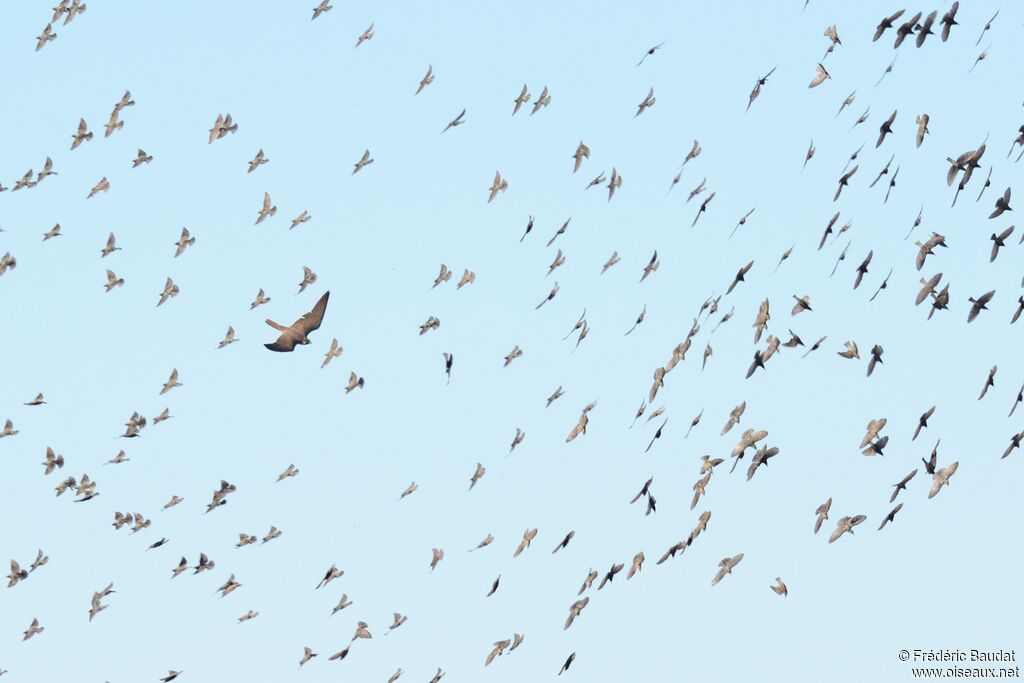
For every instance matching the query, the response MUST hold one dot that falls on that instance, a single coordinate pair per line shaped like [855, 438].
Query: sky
[943, 575]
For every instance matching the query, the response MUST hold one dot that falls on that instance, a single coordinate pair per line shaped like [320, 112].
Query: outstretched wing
[311, 321]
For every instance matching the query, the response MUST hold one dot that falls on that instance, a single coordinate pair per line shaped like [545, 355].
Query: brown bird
[298, 332]
[845, 525]
[941, 478]
[426, 80]
[822, 514]
[725, 567]
[171, 382]
[820, 77]
[268, 209]
[780, 588]
[528, 536]
[499, 185]
[922, 128]
[576, 608]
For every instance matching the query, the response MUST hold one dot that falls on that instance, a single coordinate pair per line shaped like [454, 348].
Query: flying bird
[298, 332]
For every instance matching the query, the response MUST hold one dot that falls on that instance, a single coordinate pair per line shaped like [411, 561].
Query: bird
[268, 209]
[258, 161]
[884, 285]
[427, 79]
[887, 23]
[171, 290]
[905, 29]
[876, 358]
[901, 485]
[742, 221]
[542, 101]
[980, 304]
[820, 78]
[33, 629]
[171, 382]
[844, 180]
[575, 610]
[922, 128]
[922, 422]
[980, 59]
[941, 478]
[809, 155]
[703, 208]
[528, 536]
[365, 35]
[331, 574]
[81, 135]
[651, 266]
[949, 20]
[780, 588]
[364, 161]
[725, 567]
[110, 247]
[845, 525]
[324, 6]
[891, 516]
[1002, 205]
[582, 152]
[307, 653]
[646, 104]
[739, 277]
[833, 35]
[614, 183]
[303, 217]
[568, 662]
[186, 240]
[988, 25]
[260, 299]
[113, 281]
[431, 323]
[499, 185]
[521, 99]
[649, 52]
[757, 87]
[140, 158]
[17, 574]
[46, 36]
[8, 429]
[333, 352]
[989, 382]
[822, 514]
[924, 30]
[103, 185]
[297, 333]
[862, 269]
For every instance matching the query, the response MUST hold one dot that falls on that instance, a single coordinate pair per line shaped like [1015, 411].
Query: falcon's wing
[311, 321]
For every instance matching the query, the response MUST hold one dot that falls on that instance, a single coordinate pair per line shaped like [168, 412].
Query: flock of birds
[752, 442]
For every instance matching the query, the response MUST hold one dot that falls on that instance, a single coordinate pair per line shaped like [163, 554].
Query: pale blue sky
[944, 575]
